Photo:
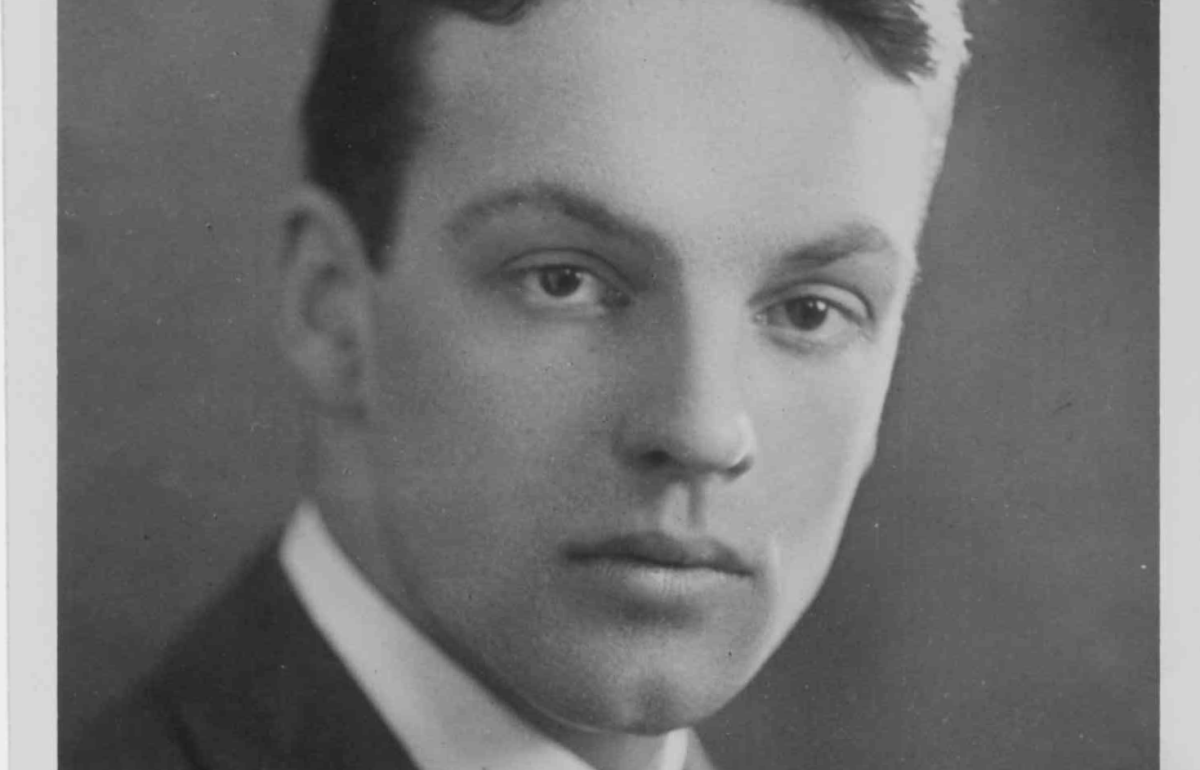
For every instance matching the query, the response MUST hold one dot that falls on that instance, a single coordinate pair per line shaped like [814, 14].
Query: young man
[597, 304]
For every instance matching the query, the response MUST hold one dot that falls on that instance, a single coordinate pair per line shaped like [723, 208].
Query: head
[598, 304]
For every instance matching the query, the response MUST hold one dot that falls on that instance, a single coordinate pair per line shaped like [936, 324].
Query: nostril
[666, 460]
[656, 459]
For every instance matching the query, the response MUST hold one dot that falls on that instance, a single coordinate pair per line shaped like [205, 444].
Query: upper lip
[663, 549]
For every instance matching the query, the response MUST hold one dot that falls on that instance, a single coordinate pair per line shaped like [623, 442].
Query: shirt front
[444, 718]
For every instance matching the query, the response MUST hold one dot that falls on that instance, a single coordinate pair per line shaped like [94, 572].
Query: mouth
[659, 550]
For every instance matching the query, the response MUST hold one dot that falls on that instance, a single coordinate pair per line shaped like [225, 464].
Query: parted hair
[362, 115]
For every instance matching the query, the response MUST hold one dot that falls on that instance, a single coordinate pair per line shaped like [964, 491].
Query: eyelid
[617, 293]
[579, 259]
[821, 341]
[845, 299]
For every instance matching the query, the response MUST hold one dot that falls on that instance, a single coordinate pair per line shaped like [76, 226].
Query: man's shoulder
[136, 733]
[250, 683]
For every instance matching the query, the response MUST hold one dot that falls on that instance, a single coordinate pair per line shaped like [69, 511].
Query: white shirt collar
[442, 716]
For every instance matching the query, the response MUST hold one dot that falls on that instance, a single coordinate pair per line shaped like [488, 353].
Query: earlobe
[325, 313]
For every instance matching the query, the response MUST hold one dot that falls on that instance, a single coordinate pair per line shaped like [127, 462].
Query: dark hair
[362, 114]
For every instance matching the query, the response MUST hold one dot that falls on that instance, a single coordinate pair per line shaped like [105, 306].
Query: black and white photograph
[608, 384]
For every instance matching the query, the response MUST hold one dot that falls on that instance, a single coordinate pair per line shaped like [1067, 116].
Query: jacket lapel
[254, 685]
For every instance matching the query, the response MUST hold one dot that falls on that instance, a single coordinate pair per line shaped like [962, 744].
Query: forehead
[680, 110]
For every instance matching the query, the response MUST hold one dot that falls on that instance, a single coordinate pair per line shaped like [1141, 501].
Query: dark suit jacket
[252, 686]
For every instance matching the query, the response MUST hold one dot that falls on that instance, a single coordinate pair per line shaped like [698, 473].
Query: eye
[807, 313]
[561, 282]
[567, 287]
[814, 320]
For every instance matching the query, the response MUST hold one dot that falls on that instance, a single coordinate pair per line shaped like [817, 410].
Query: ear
[325, 318]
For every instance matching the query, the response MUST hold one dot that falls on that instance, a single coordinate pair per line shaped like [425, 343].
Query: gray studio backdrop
[994, 604]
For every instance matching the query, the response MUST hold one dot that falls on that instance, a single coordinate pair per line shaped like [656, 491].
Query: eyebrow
[845, 241]
[548, 197]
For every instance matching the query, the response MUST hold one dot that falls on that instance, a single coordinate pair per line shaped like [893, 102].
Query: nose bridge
[706, 379]
[692, 414]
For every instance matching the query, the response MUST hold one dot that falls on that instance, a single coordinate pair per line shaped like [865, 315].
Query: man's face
[633, 343]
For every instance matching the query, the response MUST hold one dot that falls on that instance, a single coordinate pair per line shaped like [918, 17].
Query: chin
[657, 713]
[649, 680]
[645, 702]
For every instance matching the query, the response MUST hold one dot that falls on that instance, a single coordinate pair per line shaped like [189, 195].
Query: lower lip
[658, 587]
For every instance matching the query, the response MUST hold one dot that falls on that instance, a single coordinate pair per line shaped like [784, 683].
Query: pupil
[807, 313]
[559, 281]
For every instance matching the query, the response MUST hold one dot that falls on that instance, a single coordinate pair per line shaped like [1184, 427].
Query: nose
[689, 417]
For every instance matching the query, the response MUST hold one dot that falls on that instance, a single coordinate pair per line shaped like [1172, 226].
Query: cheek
[815, 450]
[479, 415]
[477, 436]
[817, 431]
